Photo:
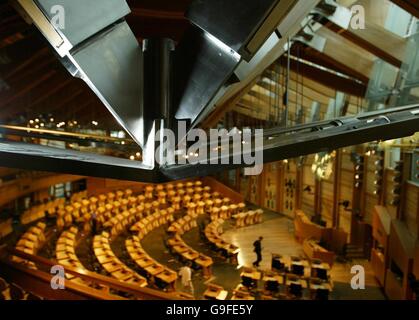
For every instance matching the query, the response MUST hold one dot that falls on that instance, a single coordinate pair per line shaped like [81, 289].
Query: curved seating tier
[180, 248]
[114, 266]
[158, 273]
[213, 232]
[113, 213]
[65, 252]
[31, 241]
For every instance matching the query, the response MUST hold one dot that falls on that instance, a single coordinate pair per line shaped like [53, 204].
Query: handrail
[140, 293]
[39, 283]
[65, 133]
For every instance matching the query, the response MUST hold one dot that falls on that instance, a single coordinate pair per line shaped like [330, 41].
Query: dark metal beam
[279, 144]
[410, 6]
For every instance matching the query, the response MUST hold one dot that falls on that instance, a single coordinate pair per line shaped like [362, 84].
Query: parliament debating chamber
[94, 205]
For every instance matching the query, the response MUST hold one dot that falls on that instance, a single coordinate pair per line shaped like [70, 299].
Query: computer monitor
[321, 273]
[297, 269]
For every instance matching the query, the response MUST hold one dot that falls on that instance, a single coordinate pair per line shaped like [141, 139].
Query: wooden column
[407, 165]
[336, 188]
[317, 197]
[280, 187]
[262, 186]
[299, 187]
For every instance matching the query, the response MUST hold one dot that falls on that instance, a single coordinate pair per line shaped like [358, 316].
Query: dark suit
[258, 250]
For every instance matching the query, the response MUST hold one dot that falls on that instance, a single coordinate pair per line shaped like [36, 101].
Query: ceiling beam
[24, 90]
[344, 52]
[307, 53]
[375, 39]
[411, 6]
[327, 78]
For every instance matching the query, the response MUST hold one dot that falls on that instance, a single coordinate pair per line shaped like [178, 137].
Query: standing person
[185, 274]
[94, 223]
[258, 250]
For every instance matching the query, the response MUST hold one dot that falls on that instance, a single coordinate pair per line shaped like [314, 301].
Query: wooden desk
[213, 293]
[254, 275]
[205, 263]
[61, 255]
[314, 287]
[190, 255]
[303, 283]
[242, 296]
[323, 265]
[277, 277]
[174, 242]
[131, 249]
[137, 255]
[138, 281]
[168, 277]
[180, 248]
[105, 259]
[99, 252]
[144, 262]
[154, 269]
[122, 275]
[60, 247]
[174, 227]
[325, 286]
[111, 267]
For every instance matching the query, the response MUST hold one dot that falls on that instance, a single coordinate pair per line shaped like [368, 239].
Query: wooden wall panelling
[381, 233]
[416, 262]
[271, 186]
[337, 180]
[280, 187]
[290, 178]
[411, 208]
[308, 201]
[346, 186]
[401, 252]
[22, 187]
[327, 196]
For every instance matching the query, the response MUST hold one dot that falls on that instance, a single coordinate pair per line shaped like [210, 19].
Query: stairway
[354, 252]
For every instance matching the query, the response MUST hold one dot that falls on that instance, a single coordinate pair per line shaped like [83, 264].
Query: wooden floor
[278, 234]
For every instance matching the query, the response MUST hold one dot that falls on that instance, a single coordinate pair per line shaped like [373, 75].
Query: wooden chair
[241, 207]
[200, 209]
[224, 212]
[258, 216]
[149, 192]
